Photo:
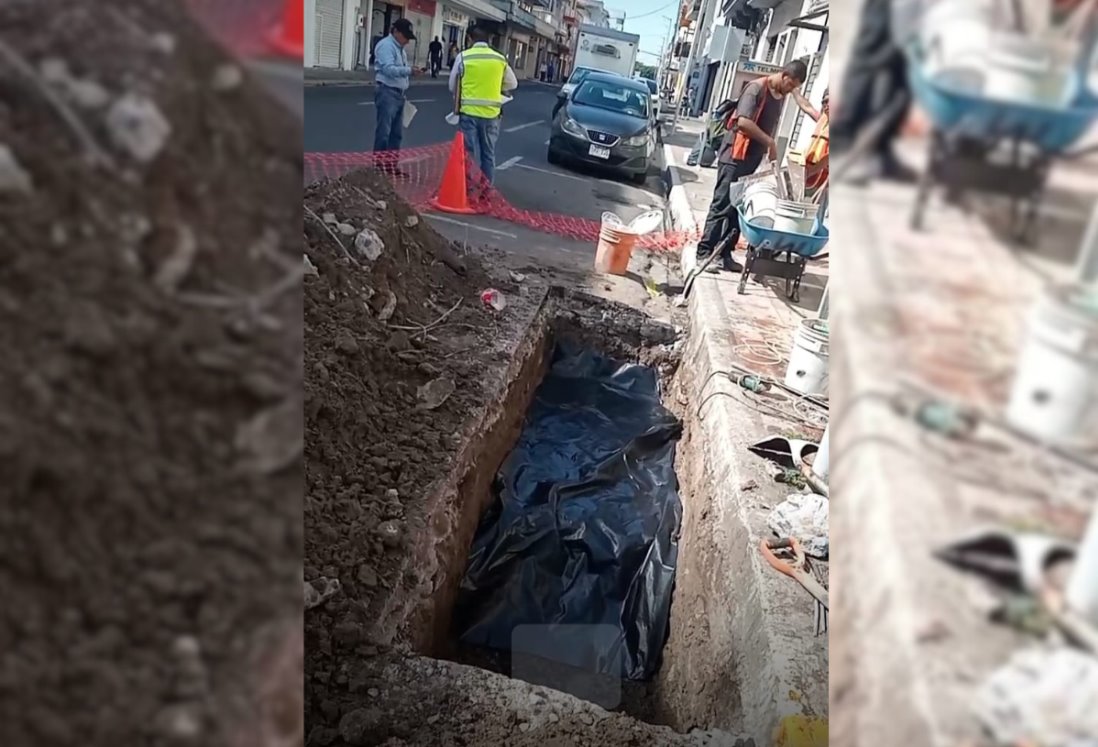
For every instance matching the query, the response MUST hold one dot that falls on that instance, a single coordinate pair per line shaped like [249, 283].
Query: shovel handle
[786, 543]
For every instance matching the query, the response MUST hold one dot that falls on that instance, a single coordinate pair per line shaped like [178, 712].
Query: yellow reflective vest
[482, 74]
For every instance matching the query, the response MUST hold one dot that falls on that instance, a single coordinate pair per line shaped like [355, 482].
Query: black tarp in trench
[583, 531]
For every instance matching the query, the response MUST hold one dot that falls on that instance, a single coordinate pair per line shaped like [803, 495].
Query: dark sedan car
[607, 121]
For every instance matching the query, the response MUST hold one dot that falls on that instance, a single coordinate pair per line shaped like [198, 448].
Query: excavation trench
[588, 533]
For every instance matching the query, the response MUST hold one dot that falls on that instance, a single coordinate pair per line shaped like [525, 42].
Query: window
[613, 98]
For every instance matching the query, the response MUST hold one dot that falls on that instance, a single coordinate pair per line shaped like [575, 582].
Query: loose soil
[376, 332]
[150, 413]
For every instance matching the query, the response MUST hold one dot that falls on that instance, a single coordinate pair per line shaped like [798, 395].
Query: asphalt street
[341, 119]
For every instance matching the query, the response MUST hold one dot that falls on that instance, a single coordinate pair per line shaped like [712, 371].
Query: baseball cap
[404, 26]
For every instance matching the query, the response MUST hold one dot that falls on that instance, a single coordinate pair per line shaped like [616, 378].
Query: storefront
[421, 14]
[519, 54]
[454, 24]
[384, 16]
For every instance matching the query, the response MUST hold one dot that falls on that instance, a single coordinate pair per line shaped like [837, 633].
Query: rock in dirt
[389, 308]
[362, 726]
[434, 393]
[13, 177]
[346, 343]
[137, 126]
[369, 245]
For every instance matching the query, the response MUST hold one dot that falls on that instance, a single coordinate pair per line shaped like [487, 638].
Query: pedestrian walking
[748, 140]
[452, 54]
[552, 72]
[434, 51]
[480, 77]
[393, 76]
[543, 69]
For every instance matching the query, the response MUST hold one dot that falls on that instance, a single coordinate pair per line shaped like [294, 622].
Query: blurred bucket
[795, 217]
[807, 371]
[1055, 391]
[1029, 71]
[616, 240]
[760, 203]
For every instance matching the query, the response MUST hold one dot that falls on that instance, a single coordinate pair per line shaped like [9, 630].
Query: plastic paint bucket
[807, 371]
[820, 463]
[795, 217]
[1028, 71]
[616, 240]
[1055, 391]
[760, 203]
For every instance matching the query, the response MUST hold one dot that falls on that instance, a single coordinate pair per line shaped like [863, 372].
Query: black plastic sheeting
[583, 534]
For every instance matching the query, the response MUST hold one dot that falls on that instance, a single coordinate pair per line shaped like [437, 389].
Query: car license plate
[599, 152]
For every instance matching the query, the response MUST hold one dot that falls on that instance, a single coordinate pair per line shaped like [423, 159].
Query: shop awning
[477, 9]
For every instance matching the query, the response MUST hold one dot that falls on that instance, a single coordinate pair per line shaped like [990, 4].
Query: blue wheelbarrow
[781, 254]
[996, 147]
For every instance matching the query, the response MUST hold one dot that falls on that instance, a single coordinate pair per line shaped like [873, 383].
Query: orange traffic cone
[288, 38]
[452, 196]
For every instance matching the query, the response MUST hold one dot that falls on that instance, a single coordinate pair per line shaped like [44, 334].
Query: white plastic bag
[803, 516]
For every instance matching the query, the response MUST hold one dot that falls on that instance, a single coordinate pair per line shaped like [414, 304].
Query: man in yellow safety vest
[479, 78]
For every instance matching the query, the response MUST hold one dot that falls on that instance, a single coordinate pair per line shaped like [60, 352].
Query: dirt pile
[149, 422]
[399, 348]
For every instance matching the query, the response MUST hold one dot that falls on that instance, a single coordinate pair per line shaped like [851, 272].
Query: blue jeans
[389, 132]
[480, 142]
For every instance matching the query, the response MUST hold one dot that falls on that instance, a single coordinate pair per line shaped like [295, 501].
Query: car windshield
[578, 75]
[614, 97]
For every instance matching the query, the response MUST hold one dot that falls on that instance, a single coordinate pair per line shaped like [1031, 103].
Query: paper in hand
[452, 118]
[409, 112]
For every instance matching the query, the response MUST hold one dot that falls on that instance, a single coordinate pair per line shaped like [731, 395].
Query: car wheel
[553, 157]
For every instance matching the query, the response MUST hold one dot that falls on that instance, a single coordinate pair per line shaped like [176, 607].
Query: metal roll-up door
[329, 32]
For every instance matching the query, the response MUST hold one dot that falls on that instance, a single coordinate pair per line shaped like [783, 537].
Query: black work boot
[729, 264]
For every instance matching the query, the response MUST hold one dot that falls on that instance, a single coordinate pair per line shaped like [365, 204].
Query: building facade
[740, 40]
[533, 34]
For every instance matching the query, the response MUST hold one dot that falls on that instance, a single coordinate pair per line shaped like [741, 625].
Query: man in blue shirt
[393, 74]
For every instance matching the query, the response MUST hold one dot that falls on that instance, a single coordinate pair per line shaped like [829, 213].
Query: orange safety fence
[416, 174]
[247, 28]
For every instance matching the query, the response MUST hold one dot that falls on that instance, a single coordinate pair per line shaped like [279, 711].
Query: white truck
[606, 49]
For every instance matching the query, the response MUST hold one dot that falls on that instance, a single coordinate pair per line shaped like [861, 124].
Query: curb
[682, 215]
[782, 668]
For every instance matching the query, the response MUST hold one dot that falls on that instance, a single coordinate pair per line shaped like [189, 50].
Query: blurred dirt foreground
[150, 413]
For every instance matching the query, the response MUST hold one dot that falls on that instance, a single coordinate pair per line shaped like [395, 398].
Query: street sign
[762, 68]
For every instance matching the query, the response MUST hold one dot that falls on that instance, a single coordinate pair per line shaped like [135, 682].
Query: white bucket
[1029, 71]
[820, 466]
[1055, 391]
[807, 371]
[795, 217]
[1082, 588]
[760, 202]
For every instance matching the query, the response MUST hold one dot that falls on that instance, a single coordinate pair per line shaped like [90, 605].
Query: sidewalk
[691, 194]
[315, 76]
[776, 655]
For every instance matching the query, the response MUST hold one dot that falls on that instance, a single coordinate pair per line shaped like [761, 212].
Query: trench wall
[742, 652]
